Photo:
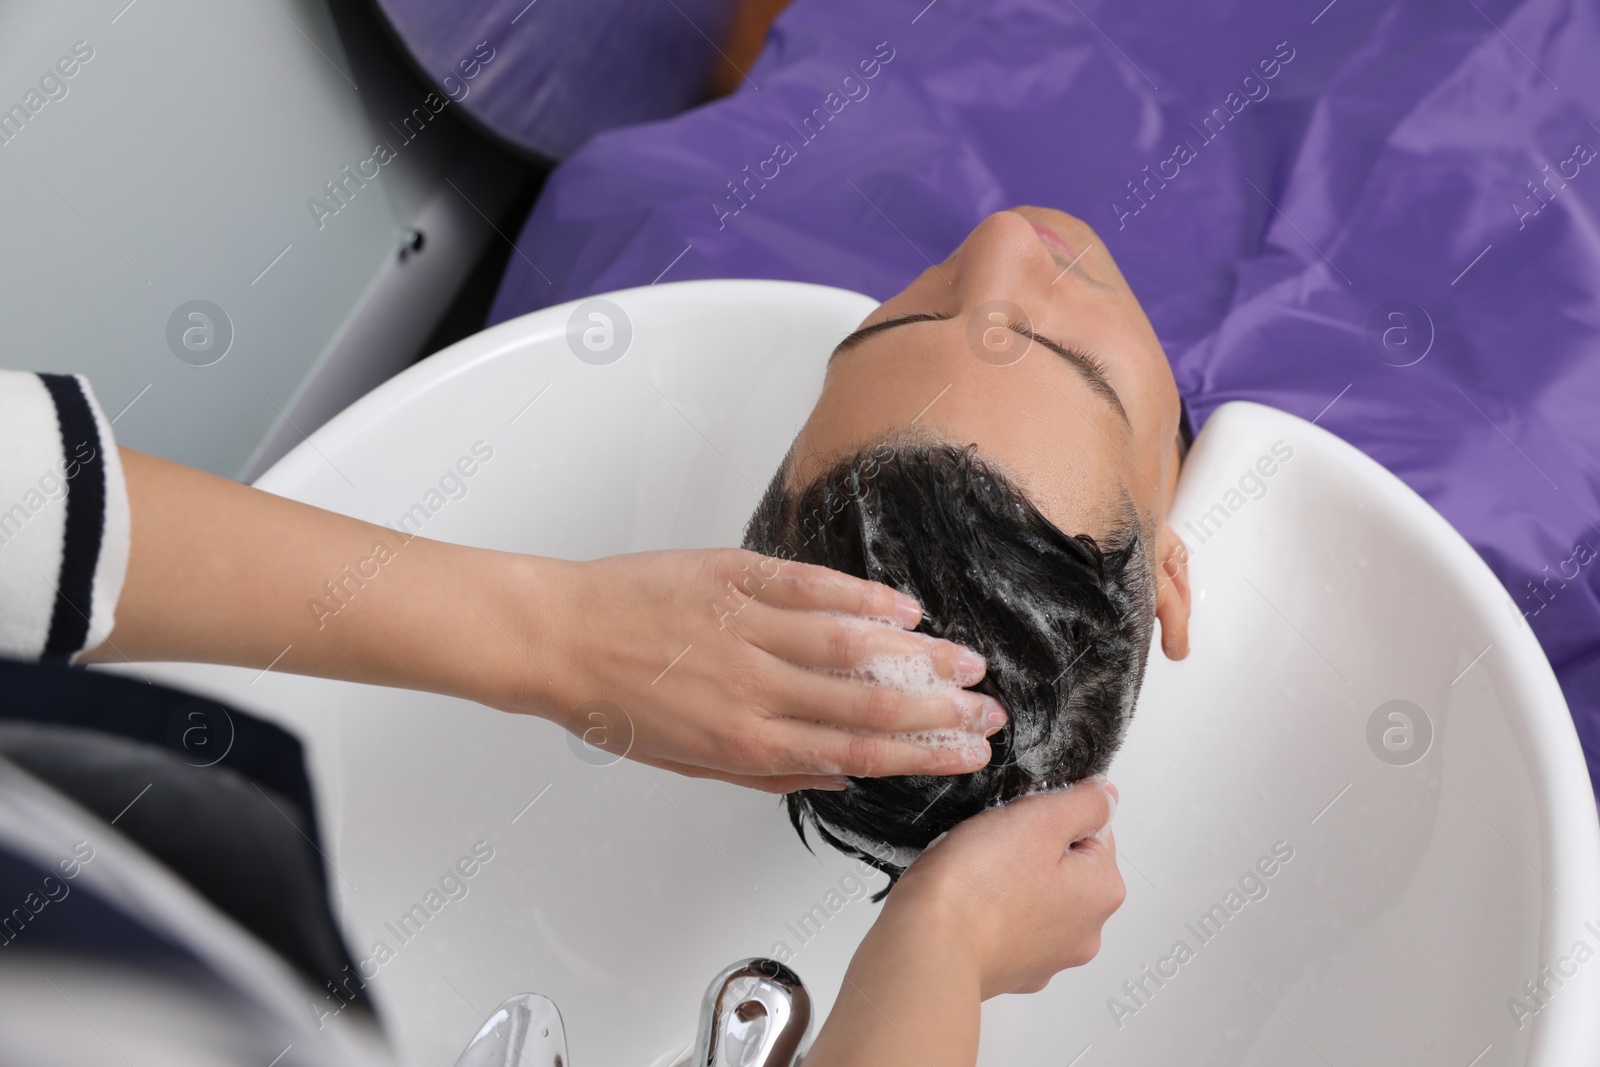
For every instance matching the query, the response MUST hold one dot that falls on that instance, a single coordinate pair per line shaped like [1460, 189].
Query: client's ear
[1172, 592]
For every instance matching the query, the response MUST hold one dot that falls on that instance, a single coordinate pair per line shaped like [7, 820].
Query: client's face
[1027, 343]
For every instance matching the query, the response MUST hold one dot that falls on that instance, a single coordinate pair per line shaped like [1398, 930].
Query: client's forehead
[1038, 421]
[1103, 513]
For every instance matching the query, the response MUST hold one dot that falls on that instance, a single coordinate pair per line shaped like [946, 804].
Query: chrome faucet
[756, 1013]
[525, 1031]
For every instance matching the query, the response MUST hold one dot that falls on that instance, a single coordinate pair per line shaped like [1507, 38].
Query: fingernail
[978, 713]
[907, 612]
[991, 718]
[970, 668]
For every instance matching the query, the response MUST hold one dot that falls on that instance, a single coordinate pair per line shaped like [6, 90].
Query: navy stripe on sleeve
[81, 450]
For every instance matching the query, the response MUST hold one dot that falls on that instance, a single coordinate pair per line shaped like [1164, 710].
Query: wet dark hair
[1064, 621]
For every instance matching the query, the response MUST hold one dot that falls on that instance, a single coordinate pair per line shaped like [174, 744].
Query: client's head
[999, 440]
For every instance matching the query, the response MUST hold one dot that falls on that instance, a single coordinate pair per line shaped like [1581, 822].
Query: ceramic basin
[1359, 807]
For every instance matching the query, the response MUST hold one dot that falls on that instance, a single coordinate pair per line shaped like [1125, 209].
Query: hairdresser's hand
[705, 653]
[999, 905]
[1024, 887]
[711, 657]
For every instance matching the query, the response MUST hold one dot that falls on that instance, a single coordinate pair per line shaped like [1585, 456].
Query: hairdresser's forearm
[911, 997]
[223, 573]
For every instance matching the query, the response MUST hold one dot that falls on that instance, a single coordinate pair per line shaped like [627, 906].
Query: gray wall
[176, 165]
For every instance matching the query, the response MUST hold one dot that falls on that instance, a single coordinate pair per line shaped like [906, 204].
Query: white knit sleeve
[63, 518]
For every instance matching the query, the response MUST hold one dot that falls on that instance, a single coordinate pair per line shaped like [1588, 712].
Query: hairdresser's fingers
[1094, 860]
[1082, 811]
[1063, 817]
[842, 643]
[1102, 844]
[813, 696]
[776, 783]
[828, 750]
[785, 584]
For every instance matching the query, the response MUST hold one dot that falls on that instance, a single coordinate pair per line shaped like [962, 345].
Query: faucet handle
[525, 1031]
[756, 1013]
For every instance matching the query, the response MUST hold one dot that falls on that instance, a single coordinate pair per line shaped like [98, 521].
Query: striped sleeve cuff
[63, 518]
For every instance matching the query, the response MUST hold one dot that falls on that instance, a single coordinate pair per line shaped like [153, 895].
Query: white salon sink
[1420, 895]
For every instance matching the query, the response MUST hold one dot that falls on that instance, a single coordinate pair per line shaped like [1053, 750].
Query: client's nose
[1003, 257]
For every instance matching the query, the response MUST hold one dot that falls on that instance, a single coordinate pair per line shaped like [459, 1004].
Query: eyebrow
[1087, 366]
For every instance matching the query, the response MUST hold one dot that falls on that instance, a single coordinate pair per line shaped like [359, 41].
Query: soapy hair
[1063, 620]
